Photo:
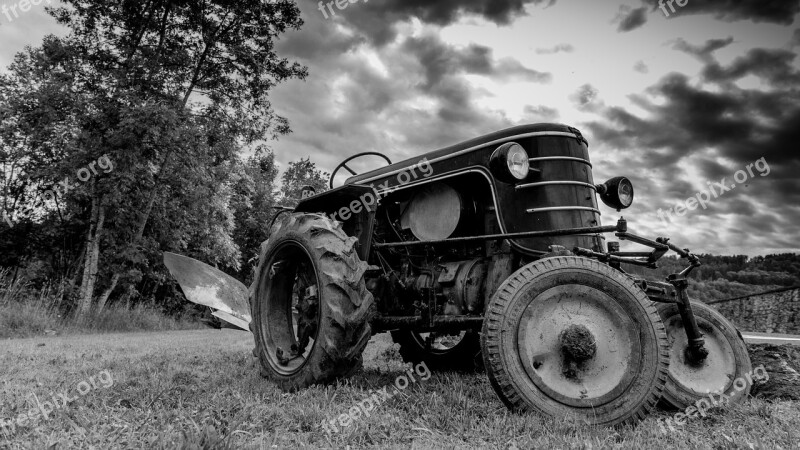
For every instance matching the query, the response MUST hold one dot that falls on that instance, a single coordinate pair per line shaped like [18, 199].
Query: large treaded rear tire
[345, 306]
[571, 290]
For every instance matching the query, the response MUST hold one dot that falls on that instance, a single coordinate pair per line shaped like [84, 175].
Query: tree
[171, 91]
[299, 174]
[254, 206]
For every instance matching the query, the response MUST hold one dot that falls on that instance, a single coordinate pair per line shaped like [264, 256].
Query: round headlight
[510, 163]
[625, 190]
[616, 193]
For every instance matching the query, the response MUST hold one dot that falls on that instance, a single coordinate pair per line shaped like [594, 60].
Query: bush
[28, 312]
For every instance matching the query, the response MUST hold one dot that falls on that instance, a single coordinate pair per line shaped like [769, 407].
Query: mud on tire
[340, 302]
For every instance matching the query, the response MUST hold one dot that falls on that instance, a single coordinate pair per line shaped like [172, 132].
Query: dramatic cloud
[631, 20]
[376, 18]
[774, 66]
[712, 133]
[439, 59]
[404, 97]
[775, 11]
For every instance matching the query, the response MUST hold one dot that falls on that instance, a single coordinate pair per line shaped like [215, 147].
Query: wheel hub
[291, 321]
[578, 346]
[578, 343]
[714, 373]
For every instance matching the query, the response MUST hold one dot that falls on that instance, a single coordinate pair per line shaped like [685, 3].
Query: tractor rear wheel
[724, 371]
[310, 306]
[571, 337]
[457, 351]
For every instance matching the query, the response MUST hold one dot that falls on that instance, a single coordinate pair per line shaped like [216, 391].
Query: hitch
[696, 351]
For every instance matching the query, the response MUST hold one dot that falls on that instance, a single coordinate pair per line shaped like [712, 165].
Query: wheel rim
[290, 293]
[578, 346]
[441, 343]
[715, 373]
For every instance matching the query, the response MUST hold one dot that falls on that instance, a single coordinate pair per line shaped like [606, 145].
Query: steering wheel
[344, 165]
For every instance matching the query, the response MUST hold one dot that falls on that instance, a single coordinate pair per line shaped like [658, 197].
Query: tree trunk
[83, 306]
[92, 257]
[101, 302]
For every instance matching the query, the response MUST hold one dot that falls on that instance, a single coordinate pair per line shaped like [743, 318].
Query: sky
[678, 101]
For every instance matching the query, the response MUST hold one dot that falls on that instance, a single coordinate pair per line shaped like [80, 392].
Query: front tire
[571, 337]
[727, 360]
[310, 306]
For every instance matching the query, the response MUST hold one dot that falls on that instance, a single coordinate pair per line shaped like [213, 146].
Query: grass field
[200, 389]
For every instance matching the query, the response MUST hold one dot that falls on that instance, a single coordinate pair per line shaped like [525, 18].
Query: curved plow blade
[205, 285]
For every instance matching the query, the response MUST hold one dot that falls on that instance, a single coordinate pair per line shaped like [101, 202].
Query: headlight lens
[625, 190]
[518, 164]
[510, 163]
[616, 193]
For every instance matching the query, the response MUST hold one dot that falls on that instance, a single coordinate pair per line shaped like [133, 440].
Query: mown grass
[200, 389]
[28, 312]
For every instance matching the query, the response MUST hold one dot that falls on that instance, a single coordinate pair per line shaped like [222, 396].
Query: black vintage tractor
[489, 253]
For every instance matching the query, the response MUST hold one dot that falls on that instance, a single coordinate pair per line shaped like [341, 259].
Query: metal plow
[205, 285]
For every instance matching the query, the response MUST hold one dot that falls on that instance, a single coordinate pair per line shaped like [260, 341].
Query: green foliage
[173, 92]
[299, 174]
[253, 204]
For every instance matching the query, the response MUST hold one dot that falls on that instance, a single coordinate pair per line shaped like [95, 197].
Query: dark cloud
[713, 130]
[775, 11]
[693, 118]
[439, 59]
[631, 19]
[565, 48]
[776, 66]
[703, 52]
[444, 12]
[795, 38]
[402, 99]
[376, 18]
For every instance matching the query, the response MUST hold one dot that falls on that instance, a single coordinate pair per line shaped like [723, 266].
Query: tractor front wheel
[570, 337]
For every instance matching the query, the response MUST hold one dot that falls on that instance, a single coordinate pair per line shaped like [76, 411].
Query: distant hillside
[722, 277]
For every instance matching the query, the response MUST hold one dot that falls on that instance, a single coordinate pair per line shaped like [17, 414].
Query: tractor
[486, 255]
